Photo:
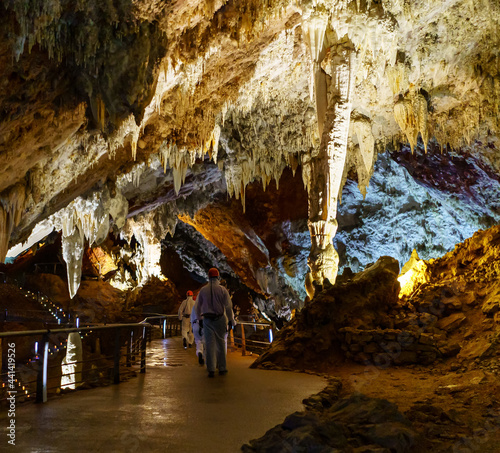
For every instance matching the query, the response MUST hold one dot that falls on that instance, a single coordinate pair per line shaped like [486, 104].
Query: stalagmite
[71, 366]
[146, 230]
[118, 209]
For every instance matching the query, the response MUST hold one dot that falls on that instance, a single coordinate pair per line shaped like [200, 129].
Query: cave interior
[338, 161]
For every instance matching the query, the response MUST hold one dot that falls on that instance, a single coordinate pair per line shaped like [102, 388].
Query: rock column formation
[328, 166]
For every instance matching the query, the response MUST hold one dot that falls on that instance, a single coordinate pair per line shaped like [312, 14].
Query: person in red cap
[184, 316]
[215, 307]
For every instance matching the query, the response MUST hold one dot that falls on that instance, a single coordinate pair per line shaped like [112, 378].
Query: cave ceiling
[133, 115]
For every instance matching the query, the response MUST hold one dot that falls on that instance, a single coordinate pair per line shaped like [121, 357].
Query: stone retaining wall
[391, 346]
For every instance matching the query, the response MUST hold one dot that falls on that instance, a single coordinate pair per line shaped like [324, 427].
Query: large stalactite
[327, 167]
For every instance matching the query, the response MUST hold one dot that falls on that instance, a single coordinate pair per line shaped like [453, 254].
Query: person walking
[197, 328]
[215, 306]
[184, 316]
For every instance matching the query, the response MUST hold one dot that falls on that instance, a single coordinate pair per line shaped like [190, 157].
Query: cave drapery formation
[130, 115]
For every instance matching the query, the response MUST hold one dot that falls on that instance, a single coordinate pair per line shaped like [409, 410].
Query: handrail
[41, 267]
[164, 317]
[131, 335]
[40, 296]
[246, 323]
[244, 341]
[21, 333]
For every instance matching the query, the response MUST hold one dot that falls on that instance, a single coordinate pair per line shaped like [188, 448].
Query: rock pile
[453, 312]
[362, 302]
[357, 424]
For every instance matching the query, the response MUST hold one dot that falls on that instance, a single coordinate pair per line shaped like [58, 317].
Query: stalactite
[362, 129]
[314, 27]
[397, 77]
[83, 220]
[73, 248]
[12, 204]
[101, 113]
[328, 166]
[410, 112]
[4, 234]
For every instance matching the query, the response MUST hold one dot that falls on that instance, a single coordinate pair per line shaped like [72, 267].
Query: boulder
[451, 322]
[482, 347]
[491, 305]
[356, 424]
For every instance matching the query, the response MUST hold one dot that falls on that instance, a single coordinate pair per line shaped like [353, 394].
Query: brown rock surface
[313, 338]
[451, 322]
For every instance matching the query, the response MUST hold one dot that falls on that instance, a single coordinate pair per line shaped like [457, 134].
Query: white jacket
[186, 307]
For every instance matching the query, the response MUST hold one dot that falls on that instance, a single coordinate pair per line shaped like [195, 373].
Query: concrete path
[174, 407]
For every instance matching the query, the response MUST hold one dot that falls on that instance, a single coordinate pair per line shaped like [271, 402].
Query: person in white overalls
[185, 317]
[197, 328]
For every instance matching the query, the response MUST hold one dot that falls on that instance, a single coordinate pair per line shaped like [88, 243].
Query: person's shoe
[200, 359]
[222, 373]
[184, 343]
[211, 374]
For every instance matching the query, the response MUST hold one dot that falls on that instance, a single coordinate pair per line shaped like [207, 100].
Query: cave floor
[174, 407]
[461, 407]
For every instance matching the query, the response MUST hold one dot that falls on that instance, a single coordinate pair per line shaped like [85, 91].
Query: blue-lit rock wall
[423, 202]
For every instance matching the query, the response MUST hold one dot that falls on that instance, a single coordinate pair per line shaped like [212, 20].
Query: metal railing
[49, 305]
[33, 360]
[169, 324]
[9, 314]
[50, 268]
[251, 336]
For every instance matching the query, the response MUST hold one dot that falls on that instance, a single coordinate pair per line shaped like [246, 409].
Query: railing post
[143, 350]
[128, 352]
[41, 380]
[116, 356]
[132, 346]
[231, 340]
[243, 343]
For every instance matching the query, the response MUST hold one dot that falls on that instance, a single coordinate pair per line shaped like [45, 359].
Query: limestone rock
[479, 348]
[491, 305]
[313, 336]
[357, 423]
[451, 322]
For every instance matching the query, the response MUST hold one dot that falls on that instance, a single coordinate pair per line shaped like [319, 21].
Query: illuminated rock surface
[452, 311]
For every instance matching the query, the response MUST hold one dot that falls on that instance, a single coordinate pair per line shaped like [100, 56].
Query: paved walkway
[173, 408]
